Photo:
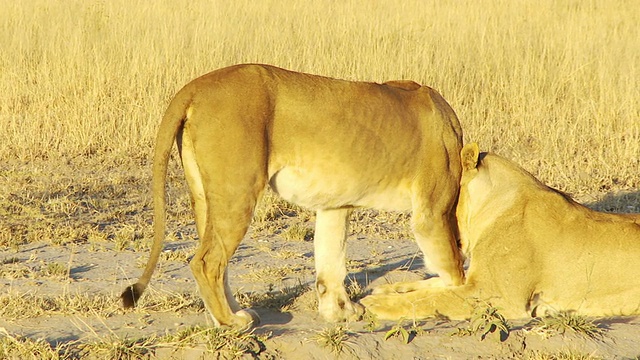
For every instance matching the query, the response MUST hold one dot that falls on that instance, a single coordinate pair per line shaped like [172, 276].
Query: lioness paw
[355, 313]
[245, 319]
[343, 311]
[385, 307]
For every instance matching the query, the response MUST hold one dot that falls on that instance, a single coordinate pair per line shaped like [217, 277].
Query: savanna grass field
[552, 85]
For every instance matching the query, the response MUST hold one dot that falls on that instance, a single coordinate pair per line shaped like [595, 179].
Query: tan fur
[532, 250]
[326, 144]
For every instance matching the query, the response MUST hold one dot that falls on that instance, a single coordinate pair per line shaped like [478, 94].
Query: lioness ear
[469, 156]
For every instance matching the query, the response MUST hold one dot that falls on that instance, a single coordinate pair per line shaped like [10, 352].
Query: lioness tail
[171, 124]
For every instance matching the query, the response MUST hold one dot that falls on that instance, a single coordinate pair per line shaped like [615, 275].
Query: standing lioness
[325, 144]
[532, 250]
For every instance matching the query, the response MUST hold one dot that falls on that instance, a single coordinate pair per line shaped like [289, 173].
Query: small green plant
[399, 331]
[563, 322]
[336, 339]
[486, 320]
[371, 321]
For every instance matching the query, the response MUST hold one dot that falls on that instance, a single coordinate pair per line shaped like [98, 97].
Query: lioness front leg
[329, 243]
[408, 286]
[435, 228]
[454, 302]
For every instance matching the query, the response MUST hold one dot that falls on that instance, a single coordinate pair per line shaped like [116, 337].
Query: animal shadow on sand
[619, 202]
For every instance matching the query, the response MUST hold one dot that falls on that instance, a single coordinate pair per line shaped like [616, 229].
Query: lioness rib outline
[325, 144]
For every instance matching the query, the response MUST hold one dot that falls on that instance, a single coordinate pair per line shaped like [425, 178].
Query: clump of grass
[564, 322]
[269, 274]
[16, 272]
[564, 355]
[486, 319]
[297, 232]
[225, 342]
[336, 339]
[14, 268]
[271, 207]
[15, 305]
[116, 347]
[97, 240]
[127, 237]
[282, 300]
[355, 290]
[20, 347]
[391, 225]
[272, 213]
[181, 255]
[12, 235]
[55, 269]
[170, 301]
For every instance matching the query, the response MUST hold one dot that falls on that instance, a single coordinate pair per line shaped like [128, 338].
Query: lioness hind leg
[223, 209]
[330, 236]
[225, 226]
[198, 201]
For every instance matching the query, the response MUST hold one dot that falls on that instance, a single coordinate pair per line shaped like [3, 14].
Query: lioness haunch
[532, 250]
[325, 144]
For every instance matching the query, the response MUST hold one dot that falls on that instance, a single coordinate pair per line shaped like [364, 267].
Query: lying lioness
[532, 250]
[326, 144]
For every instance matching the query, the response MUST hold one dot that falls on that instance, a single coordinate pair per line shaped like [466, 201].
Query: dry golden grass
[552, 85]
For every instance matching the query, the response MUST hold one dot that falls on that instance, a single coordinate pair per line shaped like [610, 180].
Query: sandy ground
[87, 208]
[291, 335]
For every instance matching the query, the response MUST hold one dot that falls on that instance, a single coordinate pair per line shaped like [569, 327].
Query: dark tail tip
[131, 295]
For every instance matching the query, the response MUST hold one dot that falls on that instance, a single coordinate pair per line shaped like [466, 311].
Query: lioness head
[489, 182]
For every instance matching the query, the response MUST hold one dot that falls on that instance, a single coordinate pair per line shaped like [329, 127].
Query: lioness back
[334, 143]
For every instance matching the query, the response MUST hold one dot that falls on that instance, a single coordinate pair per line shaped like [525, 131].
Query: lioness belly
[317, 189]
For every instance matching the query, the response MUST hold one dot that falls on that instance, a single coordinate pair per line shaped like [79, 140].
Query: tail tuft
[131, 295]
